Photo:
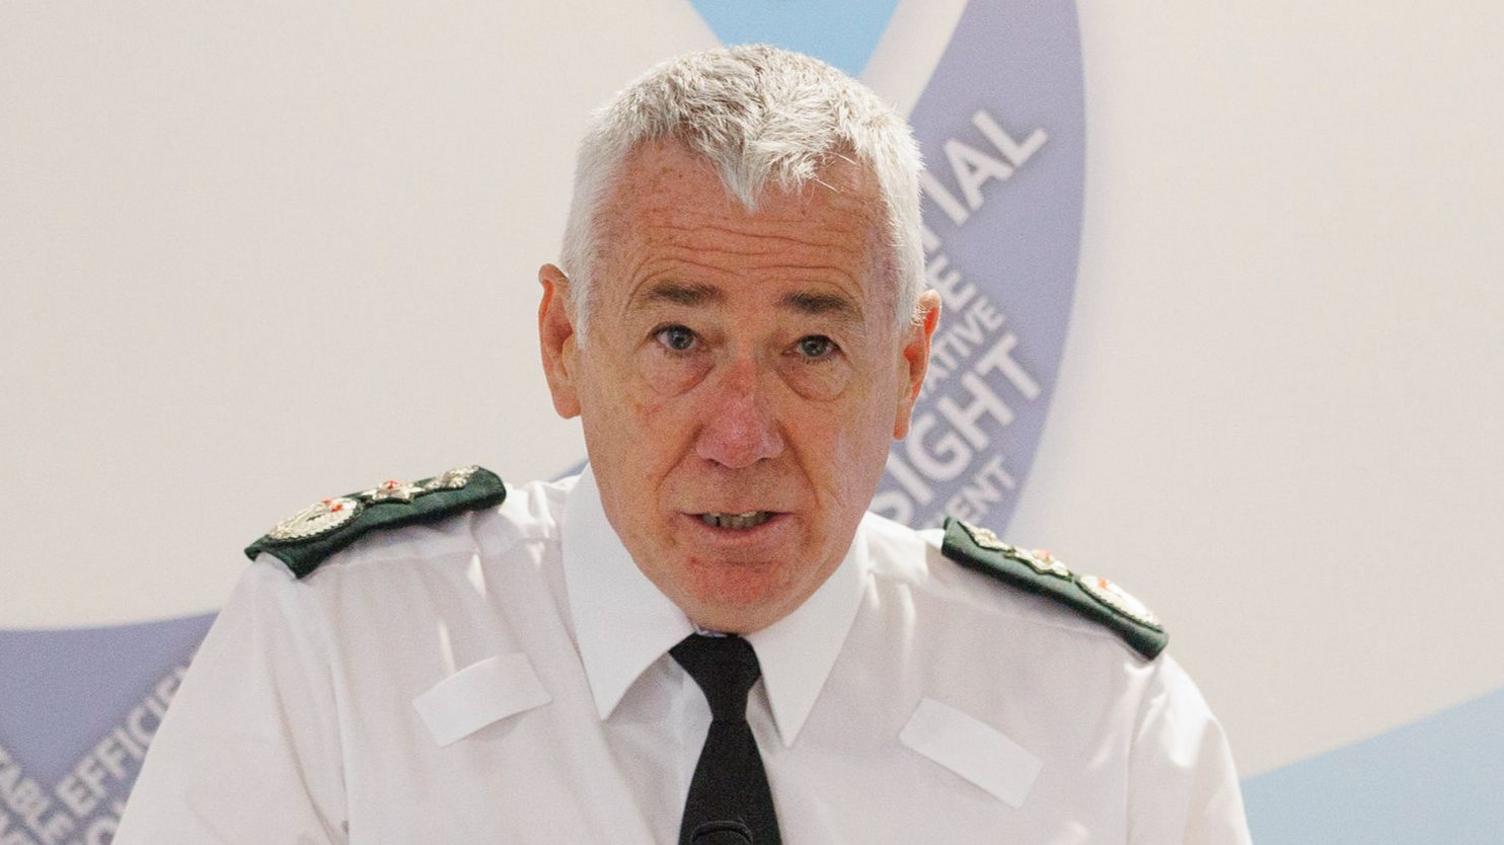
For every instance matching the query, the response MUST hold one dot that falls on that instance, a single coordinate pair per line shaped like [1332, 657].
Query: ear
[556, 340]
[915, 358]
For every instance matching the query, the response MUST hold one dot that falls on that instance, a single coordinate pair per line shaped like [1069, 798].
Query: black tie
[729, 801]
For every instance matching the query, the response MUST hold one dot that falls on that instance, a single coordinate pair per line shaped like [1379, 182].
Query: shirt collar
[623, 623]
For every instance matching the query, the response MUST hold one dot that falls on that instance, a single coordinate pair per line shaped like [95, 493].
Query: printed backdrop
[252, 258]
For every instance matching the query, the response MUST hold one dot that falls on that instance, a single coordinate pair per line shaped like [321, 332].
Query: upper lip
[733, 511]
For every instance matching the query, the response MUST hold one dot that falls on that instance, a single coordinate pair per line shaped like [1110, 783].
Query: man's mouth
[750, 519]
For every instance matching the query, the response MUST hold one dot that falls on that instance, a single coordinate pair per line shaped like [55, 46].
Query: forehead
[668, 204]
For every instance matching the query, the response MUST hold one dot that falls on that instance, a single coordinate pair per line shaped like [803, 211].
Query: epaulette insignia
[308, 537]
[1040, 572]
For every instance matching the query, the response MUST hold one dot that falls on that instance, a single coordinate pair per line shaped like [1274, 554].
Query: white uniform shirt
[503, 676]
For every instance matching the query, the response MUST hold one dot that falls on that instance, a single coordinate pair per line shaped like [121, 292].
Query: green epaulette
[1040, 572]
[309, 537]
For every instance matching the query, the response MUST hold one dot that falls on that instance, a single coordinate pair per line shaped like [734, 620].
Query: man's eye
[676, 338]
[816, 347]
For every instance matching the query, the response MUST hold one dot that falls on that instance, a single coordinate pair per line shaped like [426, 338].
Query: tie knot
[725, 669]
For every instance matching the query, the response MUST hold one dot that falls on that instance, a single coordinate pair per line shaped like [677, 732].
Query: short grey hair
[758, 114]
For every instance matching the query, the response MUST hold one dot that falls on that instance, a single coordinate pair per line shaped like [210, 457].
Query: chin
[737, 597]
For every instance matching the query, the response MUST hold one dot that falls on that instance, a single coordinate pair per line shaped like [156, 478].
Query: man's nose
[740, 428]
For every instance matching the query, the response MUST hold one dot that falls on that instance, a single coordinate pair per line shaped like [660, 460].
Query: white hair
[757, 114]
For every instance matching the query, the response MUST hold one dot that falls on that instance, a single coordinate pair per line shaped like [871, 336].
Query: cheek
[816, 381]
[857, 443]
[634, 416]
[664, 374]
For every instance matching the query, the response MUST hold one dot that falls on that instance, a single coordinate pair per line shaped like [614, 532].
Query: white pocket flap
[478, 695]
[972, 749]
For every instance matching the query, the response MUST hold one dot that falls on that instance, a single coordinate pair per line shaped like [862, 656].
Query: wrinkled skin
[735, 363]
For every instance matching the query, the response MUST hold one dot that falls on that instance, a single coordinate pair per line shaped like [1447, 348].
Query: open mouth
[739, 521]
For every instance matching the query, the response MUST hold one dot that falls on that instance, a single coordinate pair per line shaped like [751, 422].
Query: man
[704, 637]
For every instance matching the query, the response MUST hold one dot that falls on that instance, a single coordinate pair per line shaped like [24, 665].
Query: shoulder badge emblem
[454, 479]
[392, 491]
[316, 519]
[1119, 599]
[1039, 560]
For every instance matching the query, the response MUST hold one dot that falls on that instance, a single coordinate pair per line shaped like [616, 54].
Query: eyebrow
[823, 305]
[811, 303]
[678, 293]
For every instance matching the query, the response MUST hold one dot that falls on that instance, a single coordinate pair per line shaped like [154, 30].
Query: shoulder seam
[1070, 624]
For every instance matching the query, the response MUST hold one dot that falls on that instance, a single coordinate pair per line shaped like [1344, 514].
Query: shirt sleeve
[1183, 785]
[248, 750]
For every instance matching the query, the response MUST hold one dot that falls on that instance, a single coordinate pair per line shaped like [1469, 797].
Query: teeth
[749, 519]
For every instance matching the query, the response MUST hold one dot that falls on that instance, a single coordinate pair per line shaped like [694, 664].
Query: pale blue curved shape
[62, 690]
[1438, 780]
[843, 34]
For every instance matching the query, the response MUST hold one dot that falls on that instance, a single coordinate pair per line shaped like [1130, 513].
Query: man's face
[741, 380]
